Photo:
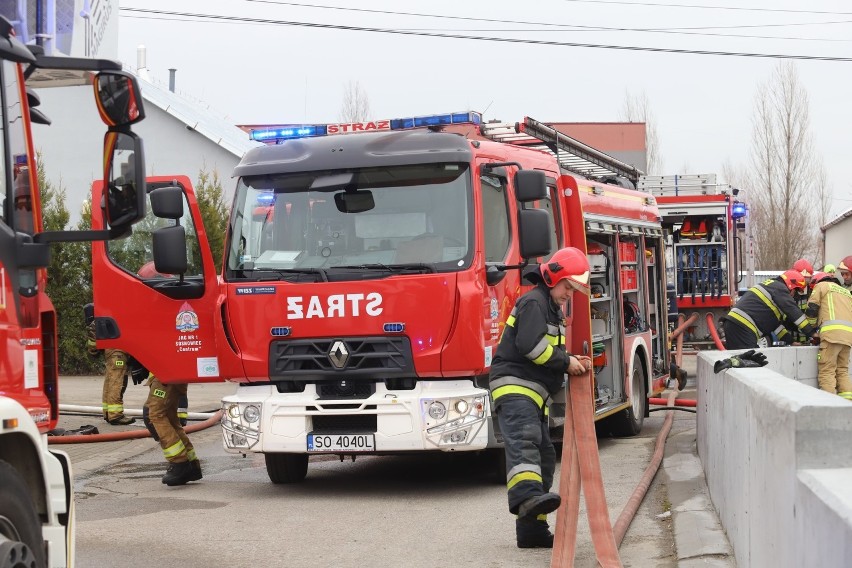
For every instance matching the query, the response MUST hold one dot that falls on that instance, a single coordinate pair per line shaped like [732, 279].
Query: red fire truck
[367, 278]
[36, 492]
[709, 257]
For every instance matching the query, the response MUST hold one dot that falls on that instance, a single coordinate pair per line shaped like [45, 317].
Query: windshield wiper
[282, 271]
[391, 267]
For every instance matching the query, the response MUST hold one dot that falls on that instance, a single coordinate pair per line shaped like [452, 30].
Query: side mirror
[533, 233]
[530, 185]
[167, 202]
[119, 98]
[124, 178]
[354, 201]
[169, 245]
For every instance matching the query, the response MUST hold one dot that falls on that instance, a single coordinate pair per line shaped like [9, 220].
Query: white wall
[73, 145]
[838, 241]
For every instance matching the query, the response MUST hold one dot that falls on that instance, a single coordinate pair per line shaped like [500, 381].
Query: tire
[629, 422]
[21, 541]
[286, 468]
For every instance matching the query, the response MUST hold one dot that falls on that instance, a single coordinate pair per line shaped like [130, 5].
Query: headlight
[462, 406]
[234, 411]
[437, 410]
[251, 414]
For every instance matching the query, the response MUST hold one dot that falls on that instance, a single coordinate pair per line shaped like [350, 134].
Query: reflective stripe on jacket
[532, 347]
[831, 304]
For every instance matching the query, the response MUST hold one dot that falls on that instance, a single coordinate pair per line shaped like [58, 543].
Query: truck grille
[352, 424]
[349, 357]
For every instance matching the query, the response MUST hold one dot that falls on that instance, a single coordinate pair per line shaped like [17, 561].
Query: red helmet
[805, 267]
[823, 277]
[149, 271]
[569, 263]
[845, 264]
[793, 279]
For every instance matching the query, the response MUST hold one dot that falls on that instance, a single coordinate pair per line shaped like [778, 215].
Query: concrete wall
[777, 455]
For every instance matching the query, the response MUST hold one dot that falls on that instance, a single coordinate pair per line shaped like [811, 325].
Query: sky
[249, 67]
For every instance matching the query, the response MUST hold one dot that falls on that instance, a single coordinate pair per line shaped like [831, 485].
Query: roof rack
[571, 154]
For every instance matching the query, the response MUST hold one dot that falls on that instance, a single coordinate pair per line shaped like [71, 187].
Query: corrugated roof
[198, 118]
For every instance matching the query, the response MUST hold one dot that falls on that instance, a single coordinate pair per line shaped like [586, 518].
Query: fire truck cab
[36, 483]
[366, 282]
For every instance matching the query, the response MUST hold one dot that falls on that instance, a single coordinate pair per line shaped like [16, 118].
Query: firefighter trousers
[833, 367]
[115, 383]
[160, 415]
[530, 455]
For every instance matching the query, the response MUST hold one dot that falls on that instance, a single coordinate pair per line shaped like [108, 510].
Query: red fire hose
[711, 325]
[677, 402]
[128, 434]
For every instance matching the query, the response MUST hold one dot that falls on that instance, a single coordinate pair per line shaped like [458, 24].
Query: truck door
[167, 322]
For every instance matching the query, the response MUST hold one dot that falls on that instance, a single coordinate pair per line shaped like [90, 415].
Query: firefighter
[528, 369]
[764, 310]
[844, 269]
[807, 270]
[115, 375]
[165, 413]
[831, 304]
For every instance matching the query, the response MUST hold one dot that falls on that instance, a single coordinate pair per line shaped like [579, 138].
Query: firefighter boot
[539, 505]
[533, 533]
[122, 420]
[182, 473]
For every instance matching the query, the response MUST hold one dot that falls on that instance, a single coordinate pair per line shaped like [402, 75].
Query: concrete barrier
[777, 455]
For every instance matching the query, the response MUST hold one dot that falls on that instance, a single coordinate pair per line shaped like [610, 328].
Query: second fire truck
[367, 278]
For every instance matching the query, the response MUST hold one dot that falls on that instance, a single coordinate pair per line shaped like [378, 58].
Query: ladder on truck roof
[571, 154]
[674, 185]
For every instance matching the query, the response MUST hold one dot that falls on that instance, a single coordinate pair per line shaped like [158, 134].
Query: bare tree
[788, 193]
[356, 104]
[637, 108]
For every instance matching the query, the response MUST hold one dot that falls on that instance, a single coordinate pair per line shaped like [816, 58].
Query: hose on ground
[678, 402]
[129, 434]
[98, 411]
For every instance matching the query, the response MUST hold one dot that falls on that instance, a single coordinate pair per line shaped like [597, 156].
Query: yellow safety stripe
[516, 389]
[835, 327]
[510, 321]
[544, 357]
[745, 321]
[846, 394]
[115, 407]
[541, 517]
[767, 299]
[191, 455]
[523, 476]
[801, 322]
[539, 348]
[174, 450]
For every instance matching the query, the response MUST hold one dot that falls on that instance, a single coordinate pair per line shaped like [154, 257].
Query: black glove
[138, 372]
[750, 358]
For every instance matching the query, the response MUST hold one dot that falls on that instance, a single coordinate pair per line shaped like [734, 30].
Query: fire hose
[581, 466]
[711, 325]
[130, 434]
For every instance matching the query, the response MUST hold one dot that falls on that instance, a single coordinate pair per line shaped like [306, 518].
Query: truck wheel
[629, 422]
[286, 468]
[21, 542]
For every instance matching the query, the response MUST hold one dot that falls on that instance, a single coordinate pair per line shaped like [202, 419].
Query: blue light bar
[394, 327]
[265, 198]
[280, 331]
[738, 210]
[289, 133]
[436, 120]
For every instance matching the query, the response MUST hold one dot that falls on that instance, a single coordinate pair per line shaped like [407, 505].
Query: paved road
[411, 511]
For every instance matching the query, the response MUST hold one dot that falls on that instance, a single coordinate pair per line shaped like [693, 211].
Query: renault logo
[338, 354]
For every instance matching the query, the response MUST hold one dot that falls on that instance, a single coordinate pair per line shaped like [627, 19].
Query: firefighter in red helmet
[165, 414]
[801, 297]
[765, 310]
[844, 269]
[528, 369]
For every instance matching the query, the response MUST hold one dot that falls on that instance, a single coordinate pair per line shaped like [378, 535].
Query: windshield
[334, 223]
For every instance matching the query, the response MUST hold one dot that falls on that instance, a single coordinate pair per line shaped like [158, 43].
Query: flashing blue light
[280, 331]
[738, 210]
[436, 120]
[289, 133]
[266, 198]
[394, 327]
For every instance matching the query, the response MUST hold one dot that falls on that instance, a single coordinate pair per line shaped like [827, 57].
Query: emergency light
[281, 133]
[738, 210]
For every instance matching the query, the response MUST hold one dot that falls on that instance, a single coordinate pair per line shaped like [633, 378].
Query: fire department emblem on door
[338, 354]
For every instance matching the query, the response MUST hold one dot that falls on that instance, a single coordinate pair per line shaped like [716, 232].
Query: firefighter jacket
[831, 304]
[531, 359]
[769, 308]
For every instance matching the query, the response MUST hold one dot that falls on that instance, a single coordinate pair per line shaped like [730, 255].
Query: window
[21, 206]
[136, 251]
[495, 215]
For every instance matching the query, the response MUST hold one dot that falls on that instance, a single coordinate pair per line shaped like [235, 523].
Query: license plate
[341, 442]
